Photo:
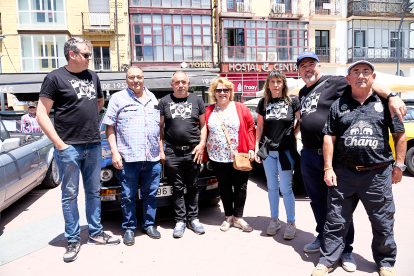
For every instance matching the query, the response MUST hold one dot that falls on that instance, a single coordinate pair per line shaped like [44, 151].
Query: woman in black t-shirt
[276, 118]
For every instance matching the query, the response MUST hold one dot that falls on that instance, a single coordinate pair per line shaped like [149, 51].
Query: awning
[28, 84]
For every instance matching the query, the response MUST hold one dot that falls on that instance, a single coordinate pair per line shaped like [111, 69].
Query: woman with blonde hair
[239, 124]
[276, 117]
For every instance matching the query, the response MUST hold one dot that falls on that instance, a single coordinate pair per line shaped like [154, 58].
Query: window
[263, 41]
[41, 13]
[322, 45]
[42, 52]
[204, 4]
[101, 56]
[169, 37]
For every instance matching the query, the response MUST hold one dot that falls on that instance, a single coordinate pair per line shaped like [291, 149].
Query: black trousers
[233, 188]
[183, 173]
[374, 189]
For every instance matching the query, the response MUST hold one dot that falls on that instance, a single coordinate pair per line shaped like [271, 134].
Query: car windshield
[410, 115]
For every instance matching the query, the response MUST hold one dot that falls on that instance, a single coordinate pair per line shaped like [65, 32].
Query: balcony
[380, 55]
[236, 8]
[327, 54]
[103, 64]
[324, 7]
[98, 23]
[385, 8]
[285, 9]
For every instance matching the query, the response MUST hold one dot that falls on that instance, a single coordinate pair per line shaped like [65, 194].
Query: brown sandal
[242, 224]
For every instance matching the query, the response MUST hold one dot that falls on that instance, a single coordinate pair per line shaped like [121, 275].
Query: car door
[21, 165]
[3, 136]
[43, 145]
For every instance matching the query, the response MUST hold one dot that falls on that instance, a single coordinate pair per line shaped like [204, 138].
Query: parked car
[297, 182]
[111, 188]
[409, 133]
[26, 160]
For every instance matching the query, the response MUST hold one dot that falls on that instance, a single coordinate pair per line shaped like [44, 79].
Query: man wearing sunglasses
[76, 95]
[28, 123]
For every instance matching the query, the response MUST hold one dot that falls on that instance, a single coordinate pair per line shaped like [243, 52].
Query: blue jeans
[147, 174]
[87, 159]
[312, 165]
[273, 172]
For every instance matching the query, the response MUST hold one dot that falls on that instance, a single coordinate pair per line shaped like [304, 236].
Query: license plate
[108, 197]
[211, 187]
[162, 191]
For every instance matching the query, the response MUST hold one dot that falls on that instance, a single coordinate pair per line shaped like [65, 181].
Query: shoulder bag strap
[316, 87]
[224, 129]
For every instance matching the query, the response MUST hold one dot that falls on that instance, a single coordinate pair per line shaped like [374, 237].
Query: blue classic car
[26, 160]
[111, 189]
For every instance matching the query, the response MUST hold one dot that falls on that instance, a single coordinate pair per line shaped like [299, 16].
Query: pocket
[168, 151]
[128, 113]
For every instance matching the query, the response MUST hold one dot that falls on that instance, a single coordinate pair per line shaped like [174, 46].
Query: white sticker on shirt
[361, 135]
[378, 107]
[277, 111]
[83, 88]
[181, 110]
[309, 104]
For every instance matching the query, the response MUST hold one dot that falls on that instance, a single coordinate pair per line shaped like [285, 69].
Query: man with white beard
[316, 99]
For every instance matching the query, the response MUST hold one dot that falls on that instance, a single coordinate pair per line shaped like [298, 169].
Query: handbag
[241, 160]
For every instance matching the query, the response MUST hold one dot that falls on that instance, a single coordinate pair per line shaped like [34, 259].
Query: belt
[363, 168]
[318, 151]
[182, 147]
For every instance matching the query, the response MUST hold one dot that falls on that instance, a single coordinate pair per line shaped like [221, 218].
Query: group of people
[346, 155]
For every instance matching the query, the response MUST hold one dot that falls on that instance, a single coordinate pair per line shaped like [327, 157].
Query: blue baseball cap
[306, 54]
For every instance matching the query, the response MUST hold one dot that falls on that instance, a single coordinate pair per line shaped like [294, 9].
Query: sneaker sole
[272, 234]
[311, 250]
[179, 236]
[348, 269]
[289, 238]
[70, 260]
[98, 243]
[192, 229]
[241, 228]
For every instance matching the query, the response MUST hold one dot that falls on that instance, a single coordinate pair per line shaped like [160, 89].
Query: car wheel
[409, 160]
[214, 201]
[52, 179]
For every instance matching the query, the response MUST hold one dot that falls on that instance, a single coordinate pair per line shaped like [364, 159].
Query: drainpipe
[406, 7]
[1, 94]
[117, 39]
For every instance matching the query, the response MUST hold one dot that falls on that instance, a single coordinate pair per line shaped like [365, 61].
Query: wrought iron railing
[380, 55]
[102, 64]
[281, 6]
[325, 7]
[236, 6]
[377, 8]
[98, 21]
[328, 54]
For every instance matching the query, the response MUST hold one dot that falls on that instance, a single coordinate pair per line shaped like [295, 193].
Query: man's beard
[311, 79]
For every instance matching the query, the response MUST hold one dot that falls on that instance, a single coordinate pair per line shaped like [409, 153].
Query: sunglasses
[32, 107]
[225, 90]
[85, 55]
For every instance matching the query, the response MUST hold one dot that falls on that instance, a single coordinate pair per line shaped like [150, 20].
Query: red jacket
[247, 130]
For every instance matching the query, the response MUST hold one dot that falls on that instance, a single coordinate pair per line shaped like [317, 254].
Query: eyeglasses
[85, 55]
[32, 107]
[133, 77]
[225, 90]
[357, 73]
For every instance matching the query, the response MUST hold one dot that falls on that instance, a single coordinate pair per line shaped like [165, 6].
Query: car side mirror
[10, 144]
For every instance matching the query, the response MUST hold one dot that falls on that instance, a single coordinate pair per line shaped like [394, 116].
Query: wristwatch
[392, 94]
[401, 167]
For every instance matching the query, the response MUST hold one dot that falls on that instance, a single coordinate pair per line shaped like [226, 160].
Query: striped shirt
[137, 125]
[28, 124]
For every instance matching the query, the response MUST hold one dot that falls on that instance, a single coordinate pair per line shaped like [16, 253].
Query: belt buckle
[185, 147]
[357, 167]
[320, 152]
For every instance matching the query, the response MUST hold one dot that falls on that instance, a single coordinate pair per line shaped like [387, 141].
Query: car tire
[52, 179]
[409, 160]
[214, 201]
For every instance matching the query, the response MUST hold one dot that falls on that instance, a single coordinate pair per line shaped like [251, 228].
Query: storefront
[249, 78]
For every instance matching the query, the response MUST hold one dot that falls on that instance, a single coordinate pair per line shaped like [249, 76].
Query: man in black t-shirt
[184, 134]
[76, 95]
[356, 138]
[316, 99]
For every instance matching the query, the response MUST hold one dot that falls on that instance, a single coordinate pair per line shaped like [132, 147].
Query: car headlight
[201, 167]
[106, 175]
[209, 166]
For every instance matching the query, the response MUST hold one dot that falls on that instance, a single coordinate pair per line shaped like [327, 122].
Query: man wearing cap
[28, 123]
[316, 99]
[358, 166]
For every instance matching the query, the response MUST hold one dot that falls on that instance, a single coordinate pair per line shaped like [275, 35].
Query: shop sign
[258, 67]
[250, 86]
[200, 65]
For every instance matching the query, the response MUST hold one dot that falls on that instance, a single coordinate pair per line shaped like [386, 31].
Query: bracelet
[329, 168]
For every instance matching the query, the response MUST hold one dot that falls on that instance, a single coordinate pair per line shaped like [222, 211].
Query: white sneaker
[274, 225]
[290, 231]
[348, 262]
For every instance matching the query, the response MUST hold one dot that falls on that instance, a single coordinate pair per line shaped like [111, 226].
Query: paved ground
[31, 241]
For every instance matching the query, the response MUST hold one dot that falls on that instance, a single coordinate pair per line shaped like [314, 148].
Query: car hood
[106, 154]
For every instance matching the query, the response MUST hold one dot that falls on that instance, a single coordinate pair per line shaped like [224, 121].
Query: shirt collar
[372, 98]
[30, 115]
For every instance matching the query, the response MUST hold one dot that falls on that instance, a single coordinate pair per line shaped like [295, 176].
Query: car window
[410, 115]
[3, 133]
[12, 126]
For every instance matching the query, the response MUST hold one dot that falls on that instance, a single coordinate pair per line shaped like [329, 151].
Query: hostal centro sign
[258, 67]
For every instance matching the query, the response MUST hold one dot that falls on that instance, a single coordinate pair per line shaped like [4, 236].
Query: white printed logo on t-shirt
[309, 104]
[83, 88]
[181, 110]
[277, 110]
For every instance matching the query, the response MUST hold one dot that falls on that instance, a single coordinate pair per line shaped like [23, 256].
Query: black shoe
[153, 233]
[129, 238]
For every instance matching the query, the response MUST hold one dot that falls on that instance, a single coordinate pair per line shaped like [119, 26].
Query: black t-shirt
[361, 130]
[315, 108]
[75, 97]
[181, 119]
[279, 119]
